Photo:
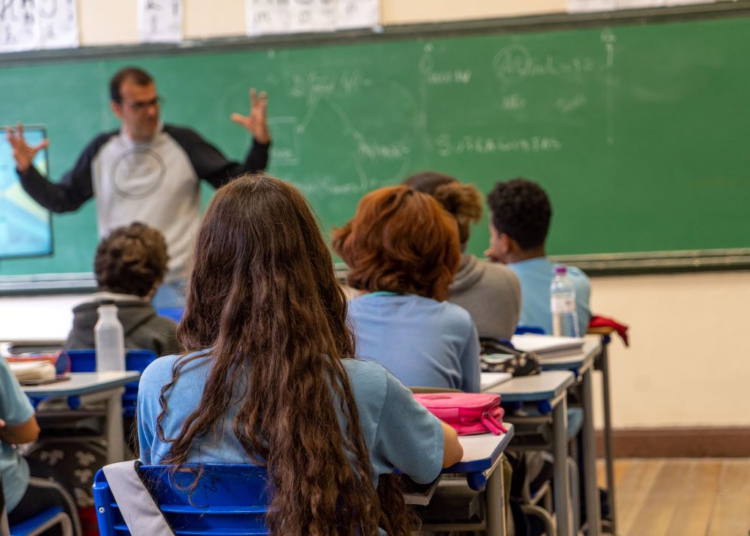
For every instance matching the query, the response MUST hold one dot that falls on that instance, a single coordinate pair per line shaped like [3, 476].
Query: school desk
[107, 385]
[482, 465]
[582, 365]
[551, 388]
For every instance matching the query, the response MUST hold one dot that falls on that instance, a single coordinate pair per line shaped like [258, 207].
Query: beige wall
[111, 22]
[689, 361]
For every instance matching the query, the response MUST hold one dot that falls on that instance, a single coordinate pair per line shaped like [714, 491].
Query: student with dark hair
[26, 494]
[129, 266]
[270, 378]
[521, 215]
[402, 250]
[146, 171]
[489, 291]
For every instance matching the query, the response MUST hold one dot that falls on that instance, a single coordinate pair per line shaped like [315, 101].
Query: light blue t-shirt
[423, 342]
[536, 276]
[15, 409]
[398, 431]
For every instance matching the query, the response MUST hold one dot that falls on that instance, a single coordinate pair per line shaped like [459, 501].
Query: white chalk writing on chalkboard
[312, 16]
[449, 146]
[515, 62]
[357, 14]
[58, 23]
[263, 17]
[19, 25]
[160, 21]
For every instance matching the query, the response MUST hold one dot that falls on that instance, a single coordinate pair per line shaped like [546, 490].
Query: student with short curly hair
[521, 215]
[129, 266]
[489, 291]
[402, 250]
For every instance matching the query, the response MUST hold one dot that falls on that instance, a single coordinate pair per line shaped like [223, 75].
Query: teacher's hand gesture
[255, 122]
[23, 153]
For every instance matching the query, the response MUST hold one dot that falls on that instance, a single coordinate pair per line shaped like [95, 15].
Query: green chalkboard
[639, 133]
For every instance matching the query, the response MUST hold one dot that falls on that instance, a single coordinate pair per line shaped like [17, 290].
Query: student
[519, 223]
[25, 495]
[490, 292]
[402, 250]
[270, 377]
[129, 266]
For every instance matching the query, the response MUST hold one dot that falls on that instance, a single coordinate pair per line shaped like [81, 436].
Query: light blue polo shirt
[536, 276]
[398, 431]
[421, 341]
[15, 409]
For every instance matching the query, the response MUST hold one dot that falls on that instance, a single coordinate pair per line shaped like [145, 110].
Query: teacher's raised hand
[255, 122]
[23, 153]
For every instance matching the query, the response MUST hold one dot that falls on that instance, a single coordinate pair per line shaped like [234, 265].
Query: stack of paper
[547, 346]
[33, 371]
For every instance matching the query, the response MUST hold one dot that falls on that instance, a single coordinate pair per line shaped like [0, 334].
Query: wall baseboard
[699, 442]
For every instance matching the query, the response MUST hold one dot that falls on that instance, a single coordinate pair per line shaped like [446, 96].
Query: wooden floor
[682, 497]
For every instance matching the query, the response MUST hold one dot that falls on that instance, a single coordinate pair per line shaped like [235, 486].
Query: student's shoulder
[578, 275]
[498, 274]
[158, 370]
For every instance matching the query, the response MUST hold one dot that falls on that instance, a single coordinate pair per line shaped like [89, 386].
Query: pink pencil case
[468, 413]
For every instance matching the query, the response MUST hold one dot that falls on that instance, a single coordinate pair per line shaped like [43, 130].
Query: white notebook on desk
[488, 380]
[548, 346]
[30, 372]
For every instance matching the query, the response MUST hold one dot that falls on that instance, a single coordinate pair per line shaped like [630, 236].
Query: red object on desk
[604, 322]
[468, 413]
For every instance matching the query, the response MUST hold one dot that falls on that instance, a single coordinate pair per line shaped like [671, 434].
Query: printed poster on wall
[160, 21]
[264, 17]
[357, 14]
[58, 23]
[19, 26]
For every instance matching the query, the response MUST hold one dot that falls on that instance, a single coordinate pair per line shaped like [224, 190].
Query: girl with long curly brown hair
[270, 377]
[402, 250]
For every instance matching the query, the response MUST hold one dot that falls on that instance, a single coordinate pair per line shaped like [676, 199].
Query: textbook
[548, 346]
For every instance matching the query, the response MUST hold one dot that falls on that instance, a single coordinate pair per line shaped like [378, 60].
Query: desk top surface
[81, 383]
[578, 361]
[481, 451]
[545, 386]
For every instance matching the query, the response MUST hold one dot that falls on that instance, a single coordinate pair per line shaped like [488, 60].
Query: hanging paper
[357, 14]
[265, 17]
[19, 25]
[58, 23]
[160, 21]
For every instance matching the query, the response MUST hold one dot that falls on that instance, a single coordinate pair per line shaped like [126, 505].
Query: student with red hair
[402, 250]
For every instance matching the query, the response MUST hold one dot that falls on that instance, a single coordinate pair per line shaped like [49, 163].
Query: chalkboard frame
[594, 264]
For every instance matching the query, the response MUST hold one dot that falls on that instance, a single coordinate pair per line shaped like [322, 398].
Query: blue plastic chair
[37, 524]
[175, 313]
[533, 330]
[229, 500]
[135, 360]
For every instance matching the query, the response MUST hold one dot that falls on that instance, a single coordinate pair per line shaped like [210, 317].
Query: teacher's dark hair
[264, 298]
[133, 74]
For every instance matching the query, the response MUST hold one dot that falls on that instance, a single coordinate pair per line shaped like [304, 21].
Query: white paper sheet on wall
[19, 26]
[357, 14]
[265, 17]
[160, 21]
[58, 23]
[587, 6]
[688, 2]
[312, 16]
[634, 4]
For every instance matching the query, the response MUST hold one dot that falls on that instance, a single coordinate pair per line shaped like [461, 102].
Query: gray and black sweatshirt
[155, 182]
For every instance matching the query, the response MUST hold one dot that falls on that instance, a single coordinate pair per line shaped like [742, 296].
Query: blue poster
[25, 226]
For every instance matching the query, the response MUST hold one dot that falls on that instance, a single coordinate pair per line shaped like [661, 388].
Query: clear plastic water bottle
[109, 339]
[563, 303]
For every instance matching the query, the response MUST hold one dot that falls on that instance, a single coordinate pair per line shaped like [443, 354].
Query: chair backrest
[534, 330]
[135, 360]
[231, 500]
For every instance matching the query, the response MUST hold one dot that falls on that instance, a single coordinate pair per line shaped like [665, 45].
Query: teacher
[146, 171]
